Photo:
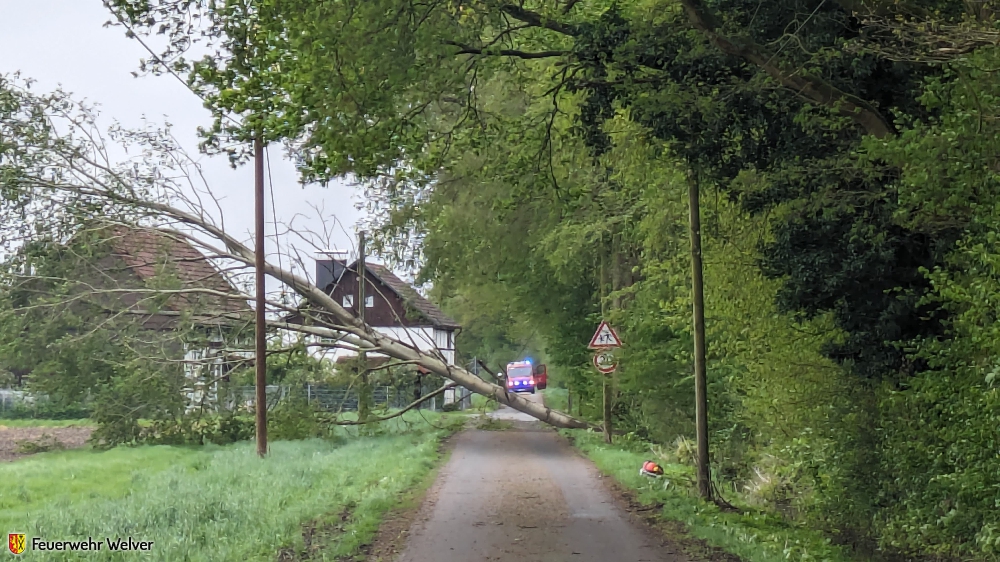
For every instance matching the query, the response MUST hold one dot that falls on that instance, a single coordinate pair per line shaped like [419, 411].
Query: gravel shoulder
[523, 494]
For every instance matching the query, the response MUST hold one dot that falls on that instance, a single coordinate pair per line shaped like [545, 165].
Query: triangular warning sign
[604, 338]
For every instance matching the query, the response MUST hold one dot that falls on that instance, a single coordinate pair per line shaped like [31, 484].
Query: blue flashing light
[528, 361]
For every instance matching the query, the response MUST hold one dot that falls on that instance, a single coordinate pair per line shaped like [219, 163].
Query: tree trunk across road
[523, 494]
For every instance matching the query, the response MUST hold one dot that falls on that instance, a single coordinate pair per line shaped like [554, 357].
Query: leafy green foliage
[754, 536]
[44, 410]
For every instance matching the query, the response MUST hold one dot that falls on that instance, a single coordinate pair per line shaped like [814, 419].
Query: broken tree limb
[90, 179]
[363, 334]
[386, 345]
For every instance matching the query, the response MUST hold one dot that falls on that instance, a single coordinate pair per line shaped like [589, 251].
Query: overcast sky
[63, 43]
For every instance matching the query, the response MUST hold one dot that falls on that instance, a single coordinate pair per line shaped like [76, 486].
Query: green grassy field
[221, 503]
[753, 536]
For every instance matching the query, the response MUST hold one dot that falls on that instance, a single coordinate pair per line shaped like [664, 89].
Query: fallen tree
[58, 178]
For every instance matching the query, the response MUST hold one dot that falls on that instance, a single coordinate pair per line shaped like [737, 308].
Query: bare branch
[929, 42]
[537, 20]
[469, 50]
[411, 406]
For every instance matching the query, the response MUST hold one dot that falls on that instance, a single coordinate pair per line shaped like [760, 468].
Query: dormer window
[348, 301]
[370, 301]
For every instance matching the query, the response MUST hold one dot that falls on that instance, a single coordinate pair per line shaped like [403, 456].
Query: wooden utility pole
[698, 309]
[363, 390]
[261, 326]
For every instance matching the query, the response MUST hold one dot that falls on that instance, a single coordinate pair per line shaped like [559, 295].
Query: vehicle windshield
[518, 372]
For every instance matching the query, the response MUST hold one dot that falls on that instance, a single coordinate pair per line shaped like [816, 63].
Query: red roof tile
[152, 254]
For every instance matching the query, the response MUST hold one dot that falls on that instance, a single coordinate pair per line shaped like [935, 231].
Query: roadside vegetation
[309, 499]
[750, 532]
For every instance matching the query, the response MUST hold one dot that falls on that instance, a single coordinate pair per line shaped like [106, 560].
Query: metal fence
[11, 399]
[333, 399]
[327, 398]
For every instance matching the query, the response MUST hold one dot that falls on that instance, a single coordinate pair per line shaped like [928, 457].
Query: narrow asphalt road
[524, 494]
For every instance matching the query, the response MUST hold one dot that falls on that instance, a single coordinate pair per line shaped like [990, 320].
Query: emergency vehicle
[522, 376]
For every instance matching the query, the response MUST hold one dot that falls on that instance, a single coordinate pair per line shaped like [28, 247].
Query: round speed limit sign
[605, 362]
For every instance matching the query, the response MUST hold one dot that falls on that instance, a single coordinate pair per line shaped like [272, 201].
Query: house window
[370, 301]
[348, 301]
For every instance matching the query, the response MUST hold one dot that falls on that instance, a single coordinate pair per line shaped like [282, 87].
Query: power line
[795, 34]
[274, 212]
[157, 60]
[162, 63]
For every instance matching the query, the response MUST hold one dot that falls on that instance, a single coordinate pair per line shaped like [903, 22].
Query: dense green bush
[295, 419]
[289, 420]
[941, 468]
[200, 430]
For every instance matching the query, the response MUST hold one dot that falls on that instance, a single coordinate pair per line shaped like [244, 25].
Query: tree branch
[469, 50]
[412, 405]
[157, 206]
[569, 6]
[811, 88]
[537, 20]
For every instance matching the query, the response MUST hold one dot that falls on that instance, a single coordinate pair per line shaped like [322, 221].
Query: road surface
[523, 494]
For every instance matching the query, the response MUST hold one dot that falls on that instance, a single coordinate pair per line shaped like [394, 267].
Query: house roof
[151, 252]
[411, 297]
[404, 290]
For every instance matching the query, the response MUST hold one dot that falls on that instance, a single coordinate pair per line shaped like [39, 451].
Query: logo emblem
[16, 542]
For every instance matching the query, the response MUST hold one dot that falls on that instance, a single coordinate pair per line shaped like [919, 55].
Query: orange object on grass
[652, 468]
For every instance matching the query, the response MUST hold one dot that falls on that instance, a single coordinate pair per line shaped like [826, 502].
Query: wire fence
[333, 399]
[330, 399]
[11, 399]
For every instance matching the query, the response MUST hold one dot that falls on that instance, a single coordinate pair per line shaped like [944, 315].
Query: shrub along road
[521, 493]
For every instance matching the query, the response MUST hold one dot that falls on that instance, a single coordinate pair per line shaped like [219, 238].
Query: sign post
[604, 342]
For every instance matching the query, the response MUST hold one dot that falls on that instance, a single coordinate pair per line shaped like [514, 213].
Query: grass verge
[482, 404]
[391, 537]
[556, 398]
[752, 536]
[308, 500]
